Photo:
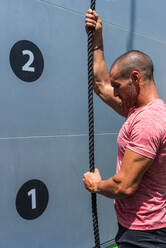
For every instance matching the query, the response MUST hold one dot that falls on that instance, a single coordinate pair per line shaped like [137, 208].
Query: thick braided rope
[91, 129]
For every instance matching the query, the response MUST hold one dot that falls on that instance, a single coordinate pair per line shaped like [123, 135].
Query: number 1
[32, 193]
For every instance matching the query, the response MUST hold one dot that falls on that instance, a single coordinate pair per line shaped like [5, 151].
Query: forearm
[99, 65]
[111, 189]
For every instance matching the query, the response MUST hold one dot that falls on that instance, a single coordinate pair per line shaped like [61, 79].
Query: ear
[135, 76]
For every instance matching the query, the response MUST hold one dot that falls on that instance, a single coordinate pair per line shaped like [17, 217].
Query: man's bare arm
[102, 85]
[125, 182]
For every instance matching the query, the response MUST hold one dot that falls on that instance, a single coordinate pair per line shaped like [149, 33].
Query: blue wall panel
[60, 163]
[44, 124]
[47, 106]
[141, 16]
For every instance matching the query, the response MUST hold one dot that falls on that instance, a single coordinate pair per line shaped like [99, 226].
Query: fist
[91, 181]
[92, 20]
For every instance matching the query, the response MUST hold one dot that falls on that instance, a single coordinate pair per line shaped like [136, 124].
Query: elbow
[124, 188]
[96, 87]
[126, 192]
[130, 191]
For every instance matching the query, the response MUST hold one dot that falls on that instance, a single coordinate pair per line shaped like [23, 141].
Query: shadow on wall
[132, 25]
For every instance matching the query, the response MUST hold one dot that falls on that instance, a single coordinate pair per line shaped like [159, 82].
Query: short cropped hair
[134, 60]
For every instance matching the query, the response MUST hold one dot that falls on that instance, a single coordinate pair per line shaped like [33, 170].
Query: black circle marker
[32, 199]
[26, 61]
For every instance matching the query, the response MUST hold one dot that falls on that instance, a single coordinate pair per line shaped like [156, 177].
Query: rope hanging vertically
[91, 129]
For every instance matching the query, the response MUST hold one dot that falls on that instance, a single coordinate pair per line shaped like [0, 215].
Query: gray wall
[44, 124]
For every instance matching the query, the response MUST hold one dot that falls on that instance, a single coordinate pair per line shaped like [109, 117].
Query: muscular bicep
[102, 84]
[106, 92]
[132, 171]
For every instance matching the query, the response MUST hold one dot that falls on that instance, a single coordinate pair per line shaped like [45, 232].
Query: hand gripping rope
[91, 129]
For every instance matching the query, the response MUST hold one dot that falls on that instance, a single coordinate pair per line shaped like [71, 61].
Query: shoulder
[153, 113]
[149, 123]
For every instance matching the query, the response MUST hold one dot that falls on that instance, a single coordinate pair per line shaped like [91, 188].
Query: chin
[130, 104]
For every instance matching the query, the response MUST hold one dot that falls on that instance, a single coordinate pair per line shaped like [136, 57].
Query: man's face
[125, 89]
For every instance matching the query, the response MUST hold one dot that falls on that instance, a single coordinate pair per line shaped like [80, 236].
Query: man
[139, 185]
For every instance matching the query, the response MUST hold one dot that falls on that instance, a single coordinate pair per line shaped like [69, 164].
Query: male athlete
[139, 185]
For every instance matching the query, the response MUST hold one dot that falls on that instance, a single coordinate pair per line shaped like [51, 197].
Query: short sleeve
[145, 136]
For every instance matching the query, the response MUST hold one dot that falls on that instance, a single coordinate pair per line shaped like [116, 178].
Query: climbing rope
[91, 129]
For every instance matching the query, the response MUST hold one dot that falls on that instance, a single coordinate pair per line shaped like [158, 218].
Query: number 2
[27, 66]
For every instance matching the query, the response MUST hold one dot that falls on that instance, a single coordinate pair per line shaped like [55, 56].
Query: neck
[148, 93]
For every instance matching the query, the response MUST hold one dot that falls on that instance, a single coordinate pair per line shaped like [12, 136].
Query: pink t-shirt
[144, 132]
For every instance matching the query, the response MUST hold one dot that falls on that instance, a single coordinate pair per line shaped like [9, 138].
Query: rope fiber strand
[91, 129]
